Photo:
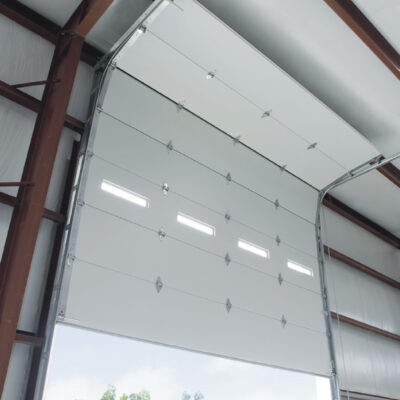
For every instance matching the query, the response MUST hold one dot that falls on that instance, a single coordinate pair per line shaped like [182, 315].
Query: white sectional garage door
[224, 288]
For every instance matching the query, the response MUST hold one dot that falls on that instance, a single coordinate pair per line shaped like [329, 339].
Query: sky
[84, 363]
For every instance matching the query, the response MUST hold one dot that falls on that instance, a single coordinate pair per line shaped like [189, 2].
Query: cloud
[162, 383]
[75, 388]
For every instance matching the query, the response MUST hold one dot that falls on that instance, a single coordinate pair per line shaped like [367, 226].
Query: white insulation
[367, 362]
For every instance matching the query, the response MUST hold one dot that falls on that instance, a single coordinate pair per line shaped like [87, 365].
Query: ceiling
[112, 25]
[174, 57]
[375, 197]
[385, 15]
[310, 43]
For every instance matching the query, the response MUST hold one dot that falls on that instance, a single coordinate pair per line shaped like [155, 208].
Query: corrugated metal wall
[368, 362]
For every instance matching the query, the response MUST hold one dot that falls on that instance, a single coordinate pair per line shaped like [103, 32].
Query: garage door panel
[141, 309]
[124, 247]
[117, 252]
[193, 136]
[202, 185]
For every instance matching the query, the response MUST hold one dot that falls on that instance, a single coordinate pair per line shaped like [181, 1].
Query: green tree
[143, 395]
[196, 396]
[109, 394]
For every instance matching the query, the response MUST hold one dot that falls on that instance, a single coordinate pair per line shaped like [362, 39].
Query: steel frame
[360, 266]
[33, 104]
[29, 206]
[363, 325]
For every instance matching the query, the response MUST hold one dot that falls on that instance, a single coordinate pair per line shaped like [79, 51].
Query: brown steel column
[26, 218]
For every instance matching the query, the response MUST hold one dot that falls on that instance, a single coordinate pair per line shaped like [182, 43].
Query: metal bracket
[70, 259]
[165, 188]
[227, 259]
[236, 140]
[80, 202]
[312, 146]
[142, 28]
[159, 284]
[170, 146]
[266, 113]
[89, 154]
[228, 177]
[278, 240]
[162, 234]
[283, 321]
[228, 305]
[277, 204]
[61, 315]
[280, 279]
[227, 217]
[210, 75]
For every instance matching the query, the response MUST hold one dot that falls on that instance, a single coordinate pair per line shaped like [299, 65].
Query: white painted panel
[362, 297]
[192, 136]
[163, 213]
[357, 243]
[185, 83]
[132, 249]
[151, 161]
[118, 249]
[367, 362]
[186, 321]
[17, 372]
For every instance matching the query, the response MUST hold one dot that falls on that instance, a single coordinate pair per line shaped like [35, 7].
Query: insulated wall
[368, 362]
[26, 57]
[138, 272]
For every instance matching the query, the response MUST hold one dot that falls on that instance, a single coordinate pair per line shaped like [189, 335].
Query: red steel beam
[24, 227]
[8, 199]
[30, 19]
[363, 396]
[48, 214]
[391, 172]
[33, 104]
[29, 84]
[9, 184]
[360, 220]
[29, 338]
[367, 32]
[361, 267]
[363, 325]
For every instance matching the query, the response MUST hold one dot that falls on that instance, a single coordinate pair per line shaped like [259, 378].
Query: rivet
[159, 284]
[228, 305]
[165, 188]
